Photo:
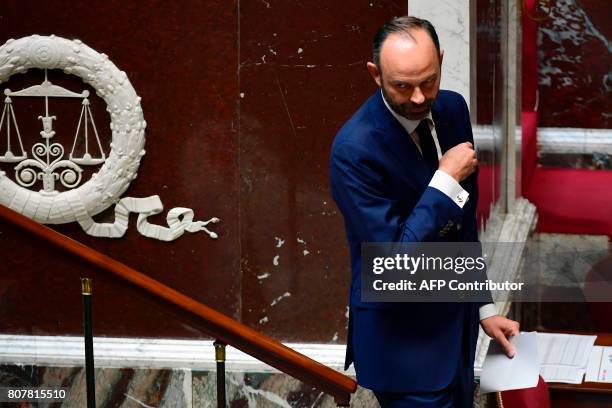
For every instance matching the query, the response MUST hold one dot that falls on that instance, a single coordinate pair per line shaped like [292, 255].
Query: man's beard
[405, 110]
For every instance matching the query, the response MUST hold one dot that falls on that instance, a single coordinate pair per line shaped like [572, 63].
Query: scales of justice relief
[47, 161]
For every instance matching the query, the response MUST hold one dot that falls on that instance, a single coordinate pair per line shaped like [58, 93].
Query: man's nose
[417, 96]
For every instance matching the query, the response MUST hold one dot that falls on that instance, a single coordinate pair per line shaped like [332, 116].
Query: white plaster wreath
[119, 169]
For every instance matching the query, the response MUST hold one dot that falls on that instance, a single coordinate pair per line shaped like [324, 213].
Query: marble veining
[133, 388]
[575, 78]
[451, 19]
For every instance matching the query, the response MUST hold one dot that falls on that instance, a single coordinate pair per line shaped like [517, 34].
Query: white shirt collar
[409, 125]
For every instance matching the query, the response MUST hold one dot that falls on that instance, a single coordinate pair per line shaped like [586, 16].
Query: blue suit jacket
[379, 181]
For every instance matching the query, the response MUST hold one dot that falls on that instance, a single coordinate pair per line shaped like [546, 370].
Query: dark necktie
[428, 146]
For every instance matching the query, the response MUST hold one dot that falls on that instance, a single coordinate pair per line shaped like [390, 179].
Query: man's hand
[499, 328]
[459, 161]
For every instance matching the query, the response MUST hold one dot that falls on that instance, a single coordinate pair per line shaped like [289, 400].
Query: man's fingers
[511, 329]
[506, 345]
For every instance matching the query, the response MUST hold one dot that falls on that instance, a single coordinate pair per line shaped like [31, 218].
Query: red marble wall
[242, 101]
[302, 78]
[574, 57]
[181, 59]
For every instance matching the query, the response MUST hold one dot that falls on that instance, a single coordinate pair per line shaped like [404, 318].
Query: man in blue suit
[403, 169]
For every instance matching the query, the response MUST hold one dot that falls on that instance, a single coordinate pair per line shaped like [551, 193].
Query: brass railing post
[86, 291]
[220, 359]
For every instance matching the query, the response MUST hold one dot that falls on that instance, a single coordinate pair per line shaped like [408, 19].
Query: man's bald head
[402, 26]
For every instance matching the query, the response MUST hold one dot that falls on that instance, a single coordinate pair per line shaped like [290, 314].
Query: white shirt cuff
[449, 186]
[487, 310]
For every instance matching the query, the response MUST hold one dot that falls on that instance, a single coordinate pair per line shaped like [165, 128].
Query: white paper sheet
[592, 371]
[599, 368]
[564, 349]
[564, 357]
[500, 373]
[562, 374]
[605, 369]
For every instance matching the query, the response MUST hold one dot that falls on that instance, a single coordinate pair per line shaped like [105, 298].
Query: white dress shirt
[441, 180]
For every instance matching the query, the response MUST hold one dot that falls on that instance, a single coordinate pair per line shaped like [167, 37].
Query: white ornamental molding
[50, 164]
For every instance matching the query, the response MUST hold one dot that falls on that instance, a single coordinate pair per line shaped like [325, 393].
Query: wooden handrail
[217, 325]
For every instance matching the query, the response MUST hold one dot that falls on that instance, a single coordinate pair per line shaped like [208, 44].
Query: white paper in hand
[500, 373]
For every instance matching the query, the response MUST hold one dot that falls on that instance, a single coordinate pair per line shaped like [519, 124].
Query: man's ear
[374, 73]
[441, 57]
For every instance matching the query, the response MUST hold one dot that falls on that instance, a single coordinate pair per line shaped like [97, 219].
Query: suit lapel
[399, 143]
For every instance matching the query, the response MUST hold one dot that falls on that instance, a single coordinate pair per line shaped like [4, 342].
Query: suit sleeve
[359, 188]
